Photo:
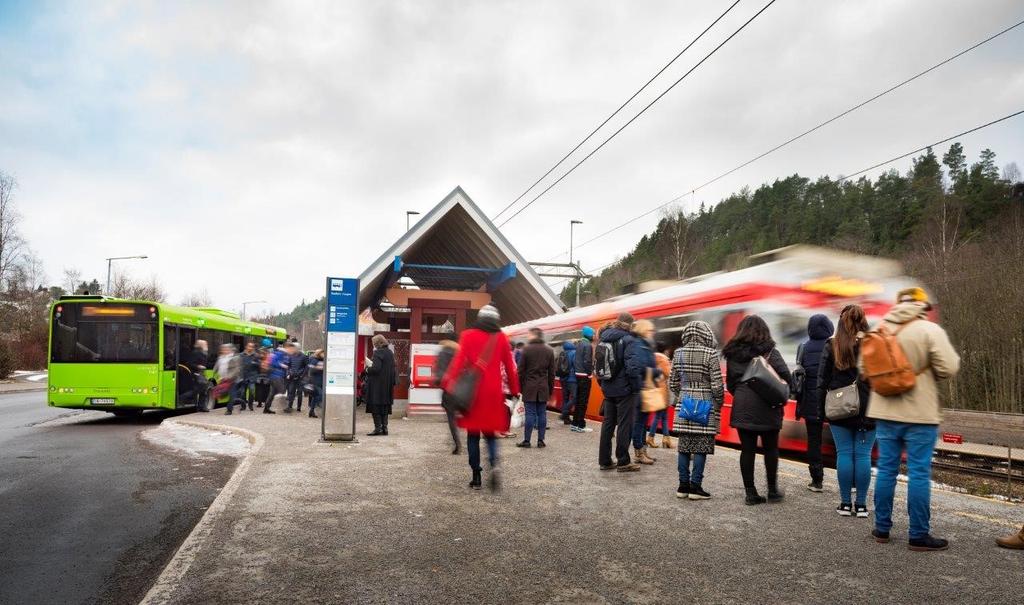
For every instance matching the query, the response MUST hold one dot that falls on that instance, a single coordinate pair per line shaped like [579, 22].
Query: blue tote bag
[693, 410]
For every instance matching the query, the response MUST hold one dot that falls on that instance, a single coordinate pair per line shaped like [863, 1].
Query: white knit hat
[489, 312]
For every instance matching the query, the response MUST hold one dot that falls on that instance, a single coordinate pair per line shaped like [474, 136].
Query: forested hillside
[957, 226]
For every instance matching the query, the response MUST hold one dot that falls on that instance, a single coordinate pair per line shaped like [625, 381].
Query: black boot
[495, 484]
[384, 424]
[475, 483]
[376, 427]
[754, 498]
[775, 494]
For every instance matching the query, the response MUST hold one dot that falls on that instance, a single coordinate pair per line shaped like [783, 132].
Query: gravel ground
[390, 520]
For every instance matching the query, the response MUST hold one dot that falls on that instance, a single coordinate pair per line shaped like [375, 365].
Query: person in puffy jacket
[808, 357]
[643, 332]
[854, 437]
[298, 365]
[488, 415]
[567, 359]
[250, 372]
[277, 372]
[910, 421]
[621, 392]
[753, 417]
[584, 379]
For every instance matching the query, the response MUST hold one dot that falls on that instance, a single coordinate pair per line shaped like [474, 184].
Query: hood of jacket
[699, 333]
[903, 312]
[819, 327]
[568, 346]
[613, 333]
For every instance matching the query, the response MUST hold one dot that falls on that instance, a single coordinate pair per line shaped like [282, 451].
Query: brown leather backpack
[885, 364]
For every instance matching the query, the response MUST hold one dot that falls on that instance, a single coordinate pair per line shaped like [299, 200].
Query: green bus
[126, 356]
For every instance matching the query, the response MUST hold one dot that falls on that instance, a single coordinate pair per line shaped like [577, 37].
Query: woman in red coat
[487, 345]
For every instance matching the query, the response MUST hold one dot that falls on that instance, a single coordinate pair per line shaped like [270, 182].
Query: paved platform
[390, 520]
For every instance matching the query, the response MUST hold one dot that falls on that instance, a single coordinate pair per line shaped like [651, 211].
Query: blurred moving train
[784, 286]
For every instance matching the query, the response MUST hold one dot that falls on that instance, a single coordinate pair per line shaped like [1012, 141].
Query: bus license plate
[102, 401]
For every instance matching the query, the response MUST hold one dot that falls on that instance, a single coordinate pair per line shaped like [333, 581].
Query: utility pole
[110, 262]
[249, 302]
[409, 213]
[573, 223]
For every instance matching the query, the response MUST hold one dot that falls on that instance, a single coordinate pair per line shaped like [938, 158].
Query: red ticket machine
[424, 397]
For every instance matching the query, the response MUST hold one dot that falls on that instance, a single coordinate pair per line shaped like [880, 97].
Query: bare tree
[680, 236]
[1011, 173]
[11, 245]
[72, 279]
[197, 299]
[124, 286]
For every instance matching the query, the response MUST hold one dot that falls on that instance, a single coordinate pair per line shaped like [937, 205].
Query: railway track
[980, 464]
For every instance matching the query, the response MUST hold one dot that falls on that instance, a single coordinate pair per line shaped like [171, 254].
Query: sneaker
[698, 493]
[541, 444]
[861, 511]
[576, 429]
[815, 486]
[586, 429]
[845, 510]
[608, 467]
[928, 543]
[683, 491]
[882, 537]
[627, 468]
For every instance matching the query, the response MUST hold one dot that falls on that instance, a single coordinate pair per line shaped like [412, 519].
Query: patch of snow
[36, 377]
[197, 442]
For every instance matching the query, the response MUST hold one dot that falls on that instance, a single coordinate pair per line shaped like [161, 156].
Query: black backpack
[799, 374]
[562, 365]
[608, 360]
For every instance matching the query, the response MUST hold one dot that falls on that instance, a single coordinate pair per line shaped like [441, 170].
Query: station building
[429, 285]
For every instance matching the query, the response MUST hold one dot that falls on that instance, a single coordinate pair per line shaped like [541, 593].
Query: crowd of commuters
[625, 359]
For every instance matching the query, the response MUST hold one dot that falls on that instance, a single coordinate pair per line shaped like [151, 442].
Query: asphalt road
[91, 513]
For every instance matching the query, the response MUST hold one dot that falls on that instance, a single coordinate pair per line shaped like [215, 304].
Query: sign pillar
[342, 320]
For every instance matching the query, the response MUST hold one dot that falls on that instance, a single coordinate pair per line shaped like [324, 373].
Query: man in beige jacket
[910, 421]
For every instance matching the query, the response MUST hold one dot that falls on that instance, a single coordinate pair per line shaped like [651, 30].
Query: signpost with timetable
[342, 321]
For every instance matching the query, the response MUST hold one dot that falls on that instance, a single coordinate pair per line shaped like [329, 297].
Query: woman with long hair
[854, 437]
[661, 357]
[487, 347]
[753, 417]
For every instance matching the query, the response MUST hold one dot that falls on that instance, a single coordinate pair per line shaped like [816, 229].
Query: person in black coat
[379, 388]
[808, 357]
[753, 417]
[854, 437]
[444, 359]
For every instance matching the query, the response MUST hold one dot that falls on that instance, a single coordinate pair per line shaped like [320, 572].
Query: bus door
[178, 343]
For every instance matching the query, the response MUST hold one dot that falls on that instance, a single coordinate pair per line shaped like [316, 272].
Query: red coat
[488, 413]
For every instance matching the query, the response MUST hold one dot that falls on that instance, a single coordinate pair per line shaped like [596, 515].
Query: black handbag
[468, 381]
[766, 382]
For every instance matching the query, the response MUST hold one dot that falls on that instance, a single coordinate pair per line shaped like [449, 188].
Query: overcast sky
[252, 148]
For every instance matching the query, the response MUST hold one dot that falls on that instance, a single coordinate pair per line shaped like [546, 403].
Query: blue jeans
[639, 425]
[697, 475]
[536, 416]
[568, 398]
[473, 445]
[665, 426]
[919, 442]
[853, 462]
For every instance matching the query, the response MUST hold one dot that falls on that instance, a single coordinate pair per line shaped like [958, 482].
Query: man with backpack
[620, 376]
[298, 364]
[584, 370]
[565, 369]
[805, 379]
[904, 358]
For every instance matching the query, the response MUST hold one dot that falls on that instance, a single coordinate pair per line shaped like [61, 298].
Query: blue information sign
[342, 304]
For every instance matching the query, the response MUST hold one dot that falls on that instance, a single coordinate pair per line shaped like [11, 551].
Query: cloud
[253, 147]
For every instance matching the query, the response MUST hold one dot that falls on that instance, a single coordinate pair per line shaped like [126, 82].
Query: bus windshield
[104, 333]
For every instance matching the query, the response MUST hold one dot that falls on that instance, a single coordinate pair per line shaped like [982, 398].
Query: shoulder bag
[697, 411]
[652, 398]
[842, 403]
[468, 381]
[762, 378]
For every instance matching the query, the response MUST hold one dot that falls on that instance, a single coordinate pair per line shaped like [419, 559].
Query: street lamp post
[249, 302]
[573, 223]
[110, 263]
[409, 213]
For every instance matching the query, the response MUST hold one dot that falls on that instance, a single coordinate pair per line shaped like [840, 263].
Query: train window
[556, 340]
[789, 329]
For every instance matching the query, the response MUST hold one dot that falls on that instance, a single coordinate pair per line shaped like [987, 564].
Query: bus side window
[170, 347]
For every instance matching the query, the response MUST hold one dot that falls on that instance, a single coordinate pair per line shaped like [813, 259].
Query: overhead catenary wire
[882, 163]
[640, 113]
[791, 140]
[616, 112]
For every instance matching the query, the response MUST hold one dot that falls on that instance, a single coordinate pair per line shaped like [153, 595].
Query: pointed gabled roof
[457, 233]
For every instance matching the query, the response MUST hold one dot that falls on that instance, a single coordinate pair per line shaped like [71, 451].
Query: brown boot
[642, 457]
[1014, 541]
[650, 440]
[666, 442]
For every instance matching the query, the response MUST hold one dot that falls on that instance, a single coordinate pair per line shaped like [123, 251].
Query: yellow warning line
[993, 520]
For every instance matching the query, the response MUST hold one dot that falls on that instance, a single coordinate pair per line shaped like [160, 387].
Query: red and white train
[784, 286]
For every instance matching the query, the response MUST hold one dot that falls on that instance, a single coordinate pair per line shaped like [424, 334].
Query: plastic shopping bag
[518, 413]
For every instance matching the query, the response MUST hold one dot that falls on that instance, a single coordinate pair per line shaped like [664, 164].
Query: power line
[642, 111]
[803, 134]
[616, 112]
[883, 163]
